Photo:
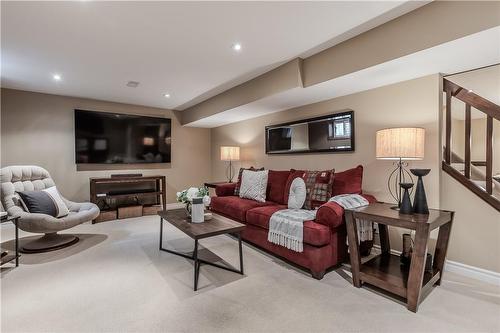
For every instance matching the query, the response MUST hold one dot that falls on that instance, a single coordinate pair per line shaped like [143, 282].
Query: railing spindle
[447, 149]
[467, 140]
[489, 155]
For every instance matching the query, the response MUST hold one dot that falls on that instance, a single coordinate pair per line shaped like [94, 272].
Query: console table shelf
[131, 187]
[126, 195]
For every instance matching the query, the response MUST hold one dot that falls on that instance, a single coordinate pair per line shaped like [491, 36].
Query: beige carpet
[116, 280]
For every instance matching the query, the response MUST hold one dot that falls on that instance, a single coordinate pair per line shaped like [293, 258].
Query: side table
[214, 184]
[10, 257]
[385, 270]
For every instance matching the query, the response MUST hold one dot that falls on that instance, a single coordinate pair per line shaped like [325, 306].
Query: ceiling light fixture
[132, 84]
[166, 95]
[237, 47]
[57, 77]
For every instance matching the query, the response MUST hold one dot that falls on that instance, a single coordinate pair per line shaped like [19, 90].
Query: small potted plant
[186, 196]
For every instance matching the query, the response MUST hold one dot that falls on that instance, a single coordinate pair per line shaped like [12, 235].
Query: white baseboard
[465, 270]
[175, 205]
[473, 272]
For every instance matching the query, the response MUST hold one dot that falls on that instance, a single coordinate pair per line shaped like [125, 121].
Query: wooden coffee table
[218, 225]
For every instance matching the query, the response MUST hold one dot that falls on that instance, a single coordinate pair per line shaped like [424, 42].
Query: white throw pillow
[297, 195]
[254, 185]
[61, 208]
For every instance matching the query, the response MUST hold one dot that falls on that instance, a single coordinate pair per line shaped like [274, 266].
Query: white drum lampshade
[405, 143]
[401, 144]
[229, 153]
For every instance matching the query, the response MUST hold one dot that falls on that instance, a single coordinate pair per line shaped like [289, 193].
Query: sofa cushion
[348, 181]
[314, 233]
[235, 207]
[276, 183]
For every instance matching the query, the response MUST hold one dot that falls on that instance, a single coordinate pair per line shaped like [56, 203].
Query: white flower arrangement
[187, 196]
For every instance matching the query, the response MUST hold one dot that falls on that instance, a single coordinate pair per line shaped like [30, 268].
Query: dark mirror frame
[334, 150]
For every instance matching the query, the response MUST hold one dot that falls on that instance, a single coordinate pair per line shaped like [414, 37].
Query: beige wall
[476, 229]
[410, 103]
[39, 129]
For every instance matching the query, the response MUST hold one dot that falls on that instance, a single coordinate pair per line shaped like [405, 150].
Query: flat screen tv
[112, 138]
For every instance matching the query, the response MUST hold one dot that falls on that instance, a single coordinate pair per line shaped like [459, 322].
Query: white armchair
[33, 178]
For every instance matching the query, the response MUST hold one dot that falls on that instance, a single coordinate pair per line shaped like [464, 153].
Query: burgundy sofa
[324, 238]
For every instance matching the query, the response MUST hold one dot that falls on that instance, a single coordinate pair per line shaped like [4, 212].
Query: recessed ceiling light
[166, 95]
[132, 84]
[57, 77]
[236, 47]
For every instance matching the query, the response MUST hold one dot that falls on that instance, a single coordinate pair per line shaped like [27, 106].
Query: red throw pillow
[238, 183]
[276, 184]
[318, 186]
[349, 181]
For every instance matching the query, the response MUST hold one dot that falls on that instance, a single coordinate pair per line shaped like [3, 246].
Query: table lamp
[400, 144]
[230, 154]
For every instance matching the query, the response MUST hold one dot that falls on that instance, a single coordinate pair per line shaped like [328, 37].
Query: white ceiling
[180, 48]
[452, 57]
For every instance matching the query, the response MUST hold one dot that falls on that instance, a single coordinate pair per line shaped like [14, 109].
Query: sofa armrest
[331, 214]
[224, 190]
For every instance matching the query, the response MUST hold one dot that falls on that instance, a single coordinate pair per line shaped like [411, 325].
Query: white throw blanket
[365, 228]
[286, 228]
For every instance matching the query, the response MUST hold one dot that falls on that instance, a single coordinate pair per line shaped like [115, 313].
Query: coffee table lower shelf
[385, 271]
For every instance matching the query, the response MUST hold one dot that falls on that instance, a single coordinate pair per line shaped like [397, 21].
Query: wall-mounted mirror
[331, 133]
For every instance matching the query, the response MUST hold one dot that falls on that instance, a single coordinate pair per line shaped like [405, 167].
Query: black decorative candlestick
[420, 200]
[406, 207]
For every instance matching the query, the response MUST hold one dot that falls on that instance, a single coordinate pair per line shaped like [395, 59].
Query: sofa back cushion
[348, 181]
[276, 184]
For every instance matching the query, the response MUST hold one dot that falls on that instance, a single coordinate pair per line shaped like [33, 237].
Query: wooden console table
[98, 188]
[385, 270]
[215, 184]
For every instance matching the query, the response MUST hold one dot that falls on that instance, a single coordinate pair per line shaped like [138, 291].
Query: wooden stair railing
[492, 112]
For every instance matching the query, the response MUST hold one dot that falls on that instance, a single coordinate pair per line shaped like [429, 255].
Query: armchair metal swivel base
[32, 178]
